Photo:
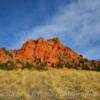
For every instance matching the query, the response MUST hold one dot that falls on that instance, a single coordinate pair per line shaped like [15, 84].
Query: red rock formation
[46, 52]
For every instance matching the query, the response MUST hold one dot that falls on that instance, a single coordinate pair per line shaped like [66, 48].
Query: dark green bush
[41, 66]
[85, 67]
[7, 66]
[28, 66]
[96, 67]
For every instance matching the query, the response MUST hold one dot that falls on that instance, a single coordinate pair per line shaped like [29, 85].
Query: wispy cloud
[77, 25]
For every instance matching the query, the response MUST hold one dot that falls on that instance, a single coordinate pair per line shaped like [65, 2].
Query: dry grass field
[49, 85]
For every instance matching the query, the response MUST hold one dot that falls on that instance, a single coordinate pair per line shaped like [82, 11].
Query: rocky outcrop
[49, 53]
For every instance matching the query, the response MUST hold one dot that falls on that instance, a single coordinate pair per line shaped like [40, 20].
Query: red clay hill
[46, 53]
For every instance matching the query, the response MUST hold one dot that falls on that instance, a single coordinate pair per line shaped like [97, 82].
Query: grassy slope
[49, 85]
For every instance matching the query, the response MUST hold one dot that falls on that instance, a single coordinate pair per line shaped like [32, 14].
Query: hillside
[42, 53]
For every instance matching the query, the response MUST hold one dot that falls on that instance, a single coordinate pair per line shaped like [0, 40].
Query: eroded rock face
[5, 55]
[48, 52]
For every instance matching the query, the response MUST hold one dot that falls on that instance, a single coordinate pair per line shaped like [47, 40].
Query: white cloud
[79, 21]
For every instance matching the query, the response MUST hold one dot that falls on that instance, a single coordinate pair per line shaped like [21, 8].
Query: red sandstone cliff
[49, 52]
[46, 51]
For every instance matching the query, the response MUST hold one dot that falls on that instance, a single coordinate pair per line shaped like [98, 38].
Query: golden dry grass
[49, 85]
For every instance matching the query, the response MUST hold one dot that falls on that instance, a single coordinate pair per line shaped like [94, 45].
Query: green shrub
[85, 67]
[96, 67]
[61, 62]
[41, 66]
[28, 66]
[9, 65]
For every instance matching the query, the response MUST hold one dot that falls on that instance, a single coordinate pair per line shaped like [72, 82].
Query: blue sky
[75, 22]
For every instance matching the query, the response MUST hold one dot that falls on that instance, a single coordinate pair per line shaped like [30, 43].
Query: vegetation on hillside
[62, 63]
